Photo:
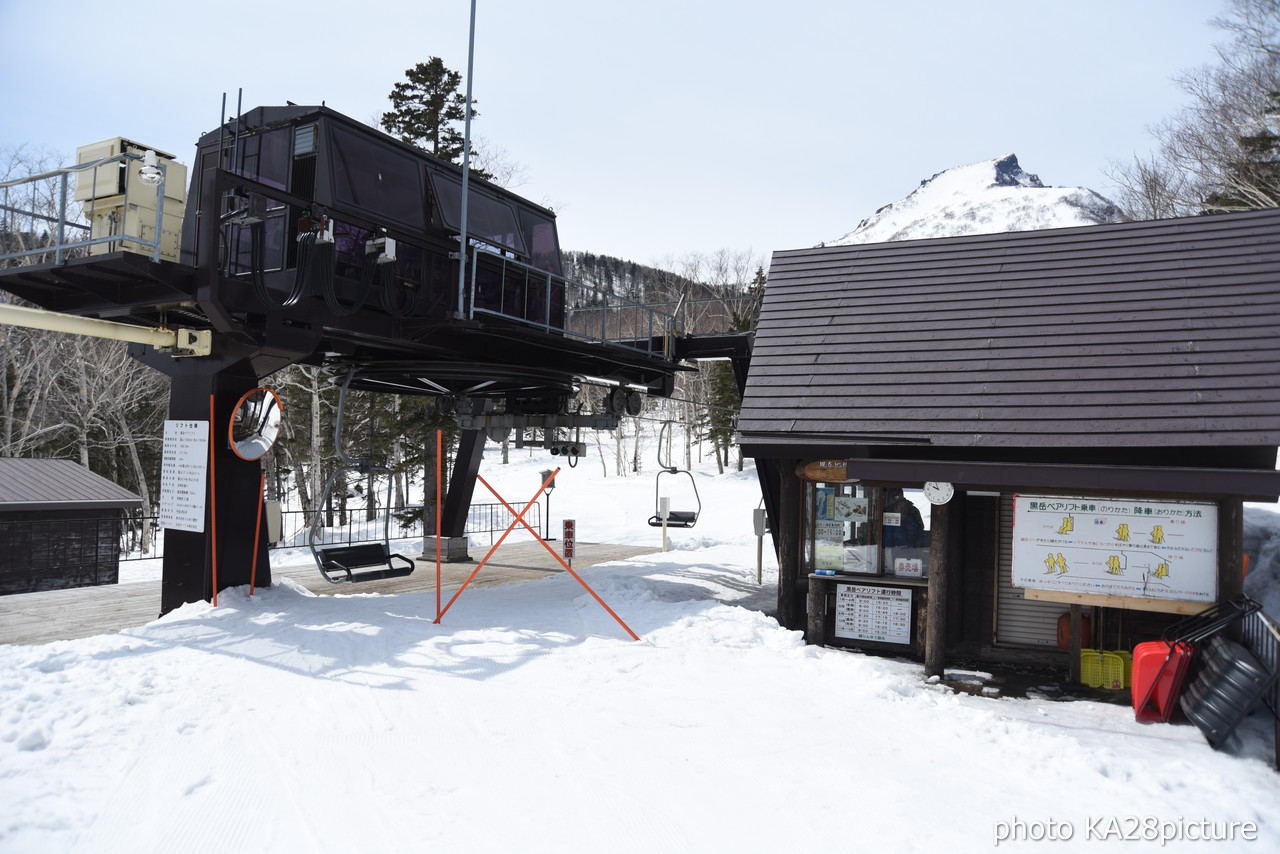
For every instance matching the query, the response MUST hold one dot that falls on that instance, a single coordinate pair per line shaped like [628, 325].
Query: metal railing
[1261, 634]
[510, 289]
[68, 219]
[482, 519]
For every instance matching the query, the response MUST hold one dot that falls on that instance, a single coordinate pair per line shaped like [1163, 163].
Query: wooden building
[59, 526]
[1089, 407]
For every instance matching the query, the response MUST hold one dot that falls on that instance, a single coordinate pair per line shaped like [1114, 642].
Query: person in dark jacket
[909, 532]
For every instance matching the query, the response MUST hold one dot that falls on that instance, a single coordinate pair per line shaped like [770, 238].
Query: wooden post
[935, 646]
[1230, 549]
[1231, 555]
[790, 523]
[816, 628]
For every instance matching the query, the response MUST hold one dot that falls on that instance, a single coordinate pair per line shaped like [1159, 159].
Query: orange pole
[213, 503]
[555, 555]
[257, 531]
[439, 479]
[519, 518]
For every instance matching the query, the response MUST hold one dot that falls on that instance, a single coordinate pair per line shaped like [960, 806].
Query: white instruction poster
[184, 468]
[1116, 547]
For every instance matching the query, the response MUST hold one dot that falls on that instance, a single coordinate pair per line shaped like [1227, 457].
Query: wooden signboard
[824, 471]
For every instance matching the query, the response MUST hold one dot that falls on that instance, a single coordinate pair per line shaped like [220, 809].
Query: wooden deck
[31, 618]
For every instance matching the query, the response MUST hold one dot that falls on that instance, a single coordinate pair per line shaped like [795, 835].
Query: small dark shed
[1079, 413]
[59, 526]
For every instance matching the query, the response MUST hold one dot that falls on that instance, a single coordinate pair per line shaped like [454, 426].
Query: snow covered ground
[528, 721]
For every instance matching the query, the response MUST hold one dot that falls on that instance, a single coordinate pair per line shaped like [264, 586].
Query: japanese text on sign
[873, 613]
[570, 538]
[1116, 547]
[184, 466]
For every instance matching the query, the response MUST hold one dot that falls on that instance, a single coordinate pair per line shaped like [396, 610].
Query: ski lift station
[301, 236]
[1080, 413]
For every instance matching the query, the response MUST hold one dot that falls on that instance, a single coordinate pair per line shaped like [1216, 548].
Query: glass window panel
[544, 244]
[381, 180]
[489, 220]
[265, 157]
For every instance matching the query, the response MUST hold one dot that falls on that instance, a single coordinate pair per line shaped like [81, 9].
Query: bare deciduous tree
[1220, 152]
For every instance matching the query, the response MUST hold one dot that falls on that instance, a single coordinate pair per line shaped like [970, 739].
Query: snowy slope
[989, 197]
[527, 721]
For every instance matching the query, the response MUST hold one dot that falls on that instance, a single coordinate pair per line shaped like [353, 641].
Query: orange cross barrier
[439, 476]
[519, 518]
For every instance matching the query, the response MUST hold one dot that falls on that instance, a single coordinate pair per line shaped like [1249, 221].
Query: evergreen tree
[428, 108]
[726, 402]
[1251, 179]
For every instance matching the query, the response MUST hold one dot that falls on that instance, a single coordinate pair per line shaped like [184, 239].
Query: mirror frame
[231, 424]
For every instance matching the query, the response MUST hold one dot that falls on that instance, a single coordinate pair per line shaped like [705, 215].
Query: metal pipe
[62, 217]
[466, 166]
[198, 342]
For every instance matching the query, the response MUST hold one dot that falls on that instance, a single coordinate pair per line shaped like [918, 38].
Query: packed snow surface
[989, 197]
[528, 721]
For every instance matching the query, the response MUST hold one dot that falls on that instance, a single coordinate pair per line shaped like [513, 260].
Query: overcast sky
[654, 129]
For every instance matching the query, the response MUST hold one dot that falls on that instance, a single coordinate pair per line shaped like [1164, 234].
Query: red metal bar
[257, 530]
[439, 478]
[547, 546]
[213, 503]
[494, 548]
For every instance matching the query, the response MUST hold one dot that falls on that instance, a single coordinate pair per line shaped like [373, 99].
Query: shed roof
[27, 484]
[1145, 334]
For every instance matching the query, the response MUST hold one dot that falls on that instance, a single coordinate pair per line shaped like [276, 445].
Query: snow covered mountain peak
[987, 197]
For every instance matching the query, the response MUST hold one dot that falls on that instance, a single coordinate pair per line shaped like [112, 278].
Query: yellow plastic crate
[1111, 669]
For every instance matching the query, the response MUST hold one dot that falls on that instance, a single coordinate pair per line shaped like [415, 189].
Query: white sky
[654, 129]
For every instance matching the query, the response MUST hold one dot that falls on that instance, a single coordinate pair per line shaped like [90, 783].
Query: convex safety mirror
[255, 424]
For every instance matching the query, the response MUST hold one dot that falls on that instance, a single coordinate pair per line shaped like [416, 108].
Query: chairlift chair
[342, 564]
[675, 518]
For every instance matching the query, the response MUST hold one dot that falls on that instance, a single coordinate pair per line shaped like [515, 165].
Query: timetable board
[864, 612]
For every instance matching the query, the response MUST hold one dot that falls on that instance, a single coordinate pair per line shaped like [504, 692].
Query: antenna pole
[466, 167]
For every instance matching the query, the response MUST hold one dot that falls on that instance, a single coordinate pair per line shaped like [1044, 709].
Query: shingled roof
[57, 485]
[1152, 334]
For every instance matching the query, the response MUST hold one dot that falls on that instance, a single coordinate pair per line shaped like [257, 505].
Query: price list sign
[873, 613]
[184, 468]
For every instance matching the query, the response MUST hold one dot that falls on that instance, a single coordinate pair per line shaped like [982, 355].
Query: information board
[184, 467]
[873, 613]
[1116, 547]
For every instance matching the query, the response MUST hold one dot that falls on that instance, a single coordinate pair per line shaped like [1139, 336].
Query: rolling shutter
[1020, 622]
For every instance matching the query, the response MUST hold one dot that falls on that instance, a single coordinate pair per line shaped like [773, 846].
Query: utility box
[119, 200]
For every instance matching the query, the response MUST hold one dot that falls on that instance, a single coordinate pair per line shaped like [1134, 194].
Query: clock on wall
[938, 492]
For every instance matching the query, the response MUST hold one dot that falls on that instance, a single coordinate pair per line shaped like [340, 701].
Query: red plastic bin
[1159, 668]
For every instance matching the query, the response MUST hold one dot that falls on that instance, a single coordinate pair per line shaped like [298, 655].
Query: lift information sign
[184, 468]
[1116, 546]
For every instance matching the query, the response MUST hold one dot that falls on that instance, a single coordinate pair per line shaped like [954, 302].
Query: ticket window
[867, 530]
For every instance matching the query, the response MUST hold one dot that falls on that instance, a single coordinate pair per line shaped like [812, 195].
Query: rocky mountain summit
[987, 197]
